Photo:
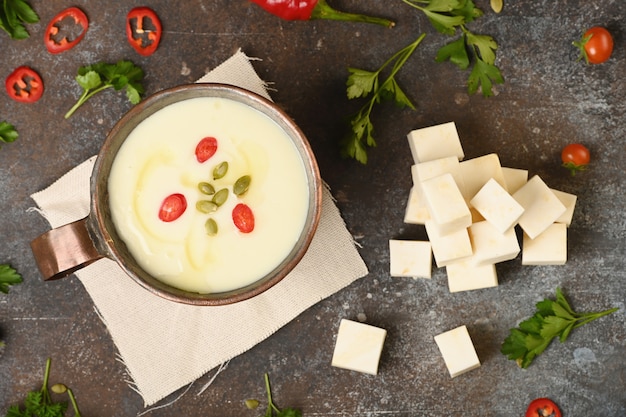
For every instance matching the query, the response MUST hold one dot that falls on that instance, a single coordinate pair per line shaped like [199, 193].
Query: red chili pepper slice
[56, 43]
[543, 407]
[315, 9]
[24, 85]
[206, 148]
[172, 207]
[143, 30]
[243, 218]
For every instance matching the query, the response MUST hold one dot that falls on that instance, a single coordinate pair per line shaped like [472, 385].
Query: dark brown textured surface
[547, 101]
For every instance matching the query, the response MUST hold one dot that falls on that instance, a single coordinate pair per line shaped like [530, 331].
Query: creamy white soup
[224, 244]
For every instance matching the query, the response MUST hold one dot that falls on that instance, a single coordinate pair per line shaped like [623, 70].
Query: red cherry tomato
[172, 207]
[206, 148]
[543, 407]
[575, 157]
[56, 44]
[596, 45]
[143, 30]
[243, 218]
[24, 85]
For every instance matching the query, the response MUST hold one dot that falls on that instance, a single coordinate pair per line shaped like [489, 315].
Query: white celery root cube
[541, 206]
[477, 171]
[358, 347]
[466, 275]
[446, 204]
[416, 211]
[514, 178]
[431, 169]
[549, 248]
[497, 206]
[410, 258]
[490, 246]
[448, 248]
[458, 351]
[569, 201]
[435, 142]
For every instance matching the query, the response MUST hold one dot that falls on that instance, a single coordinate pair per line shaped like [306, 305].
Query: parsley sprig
[7, 132]
[272, 410]
[450, 17]
[8, 276]
[552, 319]
[40, 404]
[13, 15]
[360, 84]
[98, 77]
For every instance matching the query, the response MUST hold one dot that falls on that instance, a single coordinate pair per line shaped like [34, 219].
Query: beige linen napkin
[166, 345]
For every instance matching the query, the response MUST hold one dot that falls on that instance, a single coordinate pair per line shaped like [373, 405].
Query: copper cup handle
[64, 250]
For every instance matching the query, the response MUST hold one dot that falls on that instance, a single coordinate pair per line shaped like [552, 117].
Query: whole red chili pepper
[24, 85]
[57, 46]
[315, 9]
[143, 30]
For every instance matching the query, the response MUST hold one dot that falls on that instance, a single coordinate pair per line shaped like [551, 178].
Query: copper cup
[66, 249]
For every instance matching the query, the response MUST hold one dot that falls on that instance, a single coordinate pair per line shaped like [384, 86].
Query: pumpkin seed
[496, 5]
[241, 185]
[206, 206]
[58, 388]
[206, 188]
[220, 170]
[252, 404]
[211, 227]
[220, 197]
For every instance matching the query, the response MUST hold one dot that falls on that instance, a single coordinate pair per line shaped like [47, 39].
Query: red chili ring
[135, 31]
[24, 85]
[56, 47]
[541, 407]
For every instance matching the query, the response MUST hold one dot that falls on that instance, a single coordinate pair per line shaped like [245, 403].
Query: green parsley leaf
[89, 80]
[442, 14]
[444, 23]
[361, 84]
[468, 10]
[19, 10]
[552, 319]
[447, 16]
[289, 412]
[485, 45]
[40, 404]
[13, 15]
[392, 91]
[14, 411]
[8, 276]
[100, 76]
[455, 52]
[7, 133]
[483, 75]
[442, 5]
